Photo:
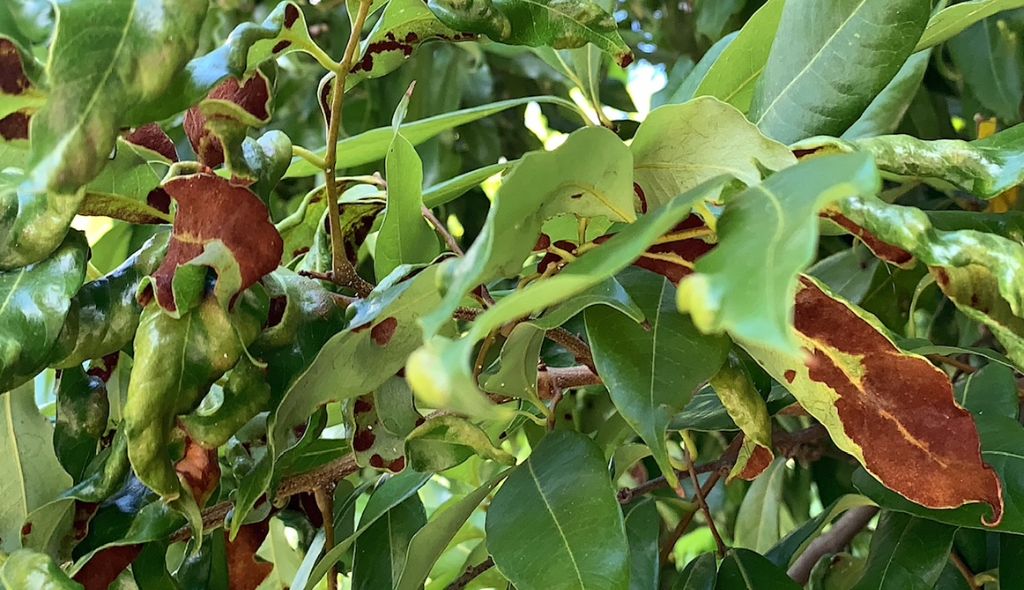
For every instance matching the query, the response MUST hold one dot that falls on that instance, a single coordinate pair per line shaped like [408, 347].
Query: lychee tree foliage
[337, 317]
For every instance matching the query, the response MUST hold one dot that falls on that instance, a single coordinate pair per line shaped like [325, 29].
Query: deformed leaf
[380, 422]
[559, 24]
[29, 569]
[217, 126]
[34, 301]
[245, 394]
[767, 235]
[679, 146]
[445, 441]
[19, 98]
[748, 410]
[559, 507]
[893, 411]
[651, 372]
[32, 225]
[221, 225]
[82, 413]
[589, 175]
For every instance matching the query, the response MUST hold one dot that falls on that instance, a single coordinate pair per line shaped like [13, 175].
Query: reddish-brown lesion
[211, 208]
[758, 461]
[200, 470]
[898, 408]
[252, 95]
[245, 570]
[13, 82]
[887, 252]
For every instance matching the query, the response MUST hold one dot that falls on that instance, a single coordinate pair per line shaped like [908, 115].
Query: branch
[839, 536]
[471, 573]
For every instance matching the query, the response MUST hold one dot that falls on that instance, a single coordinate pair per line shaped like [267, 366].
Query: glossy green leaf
[643, 523]
[706, 413]
[991, 390]
[848, 273]
[609, 293]
[743, 569]
[453, 188]
[588, 175]
[767, 235]
[404, 236]
[672, 152]
[176, 360]
[559, 507]
[32, 225]
[121, 189]
[810, 86]
[96, 44]
[34, 301]
[517, 371]
[82, 412]
[978, 271]
[370, 146]
[686, 88]
[749, 411]
[700, 574]
[951, 20]
[559, 24]
[999, 86]
[651, 372]
[391, 493]
[887, 109]
[1001, 443]
[440, 372]
[758, 520]
[734, 75]
[380, 552]
[906, 552]
[445, 441]
[797, 540]
[33, 476]
[245, 394]
[429, 542]
[28, 569]
[104, 314]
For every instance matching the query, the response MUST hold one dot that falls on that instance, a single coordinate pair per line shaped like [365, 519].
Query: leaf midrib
[554, 519]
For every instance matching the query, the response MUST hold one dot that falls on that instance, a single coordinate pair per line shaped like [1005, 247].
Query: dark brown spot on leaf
[383, 331]
[100, 572]
[362, 405]
[15, 126]
[211, 208]
[363, 440]
[281, 46]
[759, 460]
[252, 95]
[639, 192]
[291, 14]
[278, 305]
[397, 465]
[12, 71]
[789, 375]
[26, 529]
[377, 461]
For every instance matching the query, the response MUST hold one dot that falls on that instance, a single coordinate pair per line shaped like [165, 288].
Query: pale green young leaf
[951, 20]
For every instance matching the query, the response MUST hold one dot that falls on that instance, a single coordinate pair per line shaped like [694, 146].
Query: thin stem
[312, 158]
[690, 234]
[703, 505]
[965, 571]
[344, 272]
[839, 536]
[325, 502]
[574, 344]
[439, 227]
[673, 538]
[955, 363]
[471, 573]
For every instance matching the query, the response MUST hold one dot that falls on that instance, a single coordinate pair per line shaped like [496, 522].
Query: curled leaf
[220, 225]
[380, 422]
[245, 394]
[82, 412]
[219, 123]
[892, 410]
[445, 441]
[748, 410]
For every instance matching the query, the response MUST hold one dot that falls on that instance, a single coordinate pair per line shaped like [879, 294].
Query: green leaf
[96, 42]
[767, 235]
[28, 569]
[176, 361]
[999, 86]
[651, 372]
[380, 551]
[1002, 439]
[699, 574]
[991, 390]
[370, 146]
[706, 413]
[517, 365]
[887, 109]
[34, 301]
[33, 476]
[453, 188]
[278, 551]
[906, 552]
[679, 146]
[589, 175]
[985, 168]
[687, 87]
[609, 293]
[810, 86]
[82, 412]
[979, 271]
[748, 410]
[32, 225]
[428, 544]
[245, 394]
[559, 507]
[559, 24]
[104, 314]
[797, 541]
[440, 372]
[848, 273]
[643, 523]
[380, 422]
[758, 522]
[404, 236]
[445, 441]
[122, 187]
[392, 492]
[743, 569]
[734, 75]
[951, 20]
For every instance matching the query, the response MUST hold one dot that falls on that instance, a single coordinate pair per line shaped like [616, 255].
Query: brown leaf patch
[882, 250]
[152, 137]
[13, 81]
[252, 95]
[675, 255]
[200, 470]
[211, 208]
[897, 407]
[245, 570]
[758, 461]
[15, 126]
[101, 571]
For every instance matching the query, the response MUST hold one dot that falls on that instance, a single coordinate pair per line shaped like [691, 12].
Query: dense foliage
[290, 301]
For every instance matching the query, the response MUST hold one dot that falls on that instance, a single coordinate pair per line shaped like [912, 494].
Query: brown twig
[343, 272]
[440, 228]
[574, 344]
[471, 573]
[703, 505]
[325, 502]
[965, 571]
[953, 362]
[839, 536]
[552, 378]
[673, 538]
